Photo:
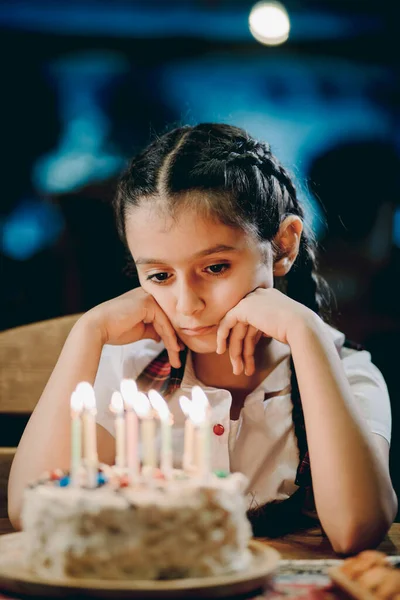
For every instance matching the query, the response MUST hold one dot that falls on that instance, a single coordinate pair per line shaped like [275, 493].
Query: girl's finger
[236, 337]
[163, 326]
[151, 333]
[167, 333]
[249, 344]
[174, 359]
[170, 345]
[224, 328]
[259, 336]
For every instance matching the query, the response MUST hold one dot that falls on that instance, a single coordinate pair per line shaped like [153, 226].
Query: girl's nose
[188, 300]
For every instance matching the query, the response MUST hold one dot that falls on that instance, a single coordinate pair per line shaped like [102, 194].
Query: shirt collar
[275, 381]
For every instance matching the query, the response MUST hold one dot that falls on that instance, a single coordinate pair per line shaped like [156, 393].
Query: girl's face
[197, 269]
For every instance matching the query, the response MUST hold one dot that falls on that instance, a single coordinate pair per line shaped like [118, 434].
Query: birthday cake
[154, 529]
[135, 520]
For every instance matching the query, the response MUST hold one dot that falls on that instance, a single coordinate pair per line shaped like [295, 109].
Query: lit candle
[161, 407]
[117, 407]
[129, 391]
[76, 438]
[187, 463]
[86, 392]
[199, 414]
[142, 407]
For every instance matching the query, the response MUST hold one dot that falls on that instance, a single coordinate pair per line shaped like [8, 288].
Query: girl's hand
[134, 316]
[265, 312]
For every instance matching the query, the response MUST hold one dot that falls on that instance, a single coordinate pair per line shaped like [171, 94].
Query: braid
[307, 287]
[303, 284]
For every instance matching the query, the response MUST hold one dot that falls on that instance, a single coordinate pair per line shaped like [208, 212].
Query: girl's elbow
[354, 542]
[364, 530]
[361, 535]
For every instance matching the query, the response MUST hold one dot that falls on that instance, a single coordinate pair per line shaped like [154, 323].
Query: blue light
[396, 228]
[30, 228]
[83, 153]
[300, 125]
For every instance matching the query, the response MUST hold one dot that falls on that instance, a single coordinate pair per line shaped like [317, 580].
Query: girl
[230, 300]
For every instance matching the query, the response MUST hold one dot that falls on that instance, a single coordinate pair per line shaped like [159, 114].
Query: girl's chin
[201, 345]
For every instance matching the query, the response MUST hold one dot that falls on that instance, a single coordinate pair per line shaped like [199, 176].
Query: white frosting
[175, 529]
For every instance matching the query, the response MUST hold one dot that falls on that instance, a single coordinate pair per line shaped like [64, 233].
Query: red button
[218, 429]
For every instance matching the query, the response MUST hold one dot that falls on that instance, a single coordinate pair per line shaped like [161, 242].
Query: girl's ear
[287, 241]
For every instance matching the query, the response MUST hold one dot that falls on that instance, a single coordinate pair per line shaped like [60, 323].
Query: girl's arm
[45, 443]
[354, 497]
[353, 492]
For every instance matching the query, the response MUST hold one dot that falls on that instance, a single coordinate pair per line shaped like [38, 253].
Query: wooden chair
[27, 357]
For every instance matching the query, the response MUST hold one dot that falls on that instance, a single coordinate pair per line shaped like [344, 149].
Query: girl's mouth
[197, 331]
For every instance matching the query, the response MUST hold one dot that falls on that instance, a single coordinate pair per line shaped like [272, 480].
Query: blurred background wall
[85, 83]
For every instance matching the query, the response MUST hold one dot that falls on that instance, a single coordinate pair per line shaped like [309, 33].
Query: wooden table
[310, 544]
[307, 544]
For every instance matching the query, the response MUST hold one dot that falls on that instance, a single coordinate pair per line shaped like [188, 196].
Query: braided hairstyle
[221, 170]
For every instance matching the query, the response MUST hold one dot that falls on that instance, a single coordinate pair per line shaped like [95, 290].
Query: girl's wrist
[303, 326]
[92, 326]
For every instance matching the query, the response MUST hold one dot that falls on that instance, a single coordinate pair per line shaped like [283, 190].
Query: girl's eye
[158, 277]
[163, 277]
[218, 269]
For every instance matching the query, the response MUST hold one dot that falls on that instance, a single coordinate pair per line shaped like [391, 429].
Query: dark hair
[221, 169]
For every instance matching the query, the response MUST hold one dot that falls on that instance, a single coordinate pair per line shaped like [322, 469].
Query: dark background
[84, 84]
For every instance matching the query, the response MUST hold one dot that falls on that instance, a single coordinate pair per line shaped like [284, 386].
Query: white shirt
[261, 443]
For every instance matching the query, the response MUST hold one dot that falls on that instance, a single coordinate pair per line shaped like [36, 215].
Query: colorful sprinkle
[221, 474]
[124, 481]
[158, 474]
[56, 475]
[101, 479]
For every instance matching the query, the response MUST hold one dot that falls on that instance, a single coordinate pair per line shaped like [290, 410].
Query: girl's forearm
[353, 492]
[45, 443]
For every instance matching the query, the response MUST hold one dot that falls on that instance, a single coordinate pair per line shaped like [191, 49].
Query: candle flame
[199, 397]
[142, 405]
[117, 403]
[76, 402]
[129, 391]
[159, 404]
[186, 405]
[86, 392]
[198, 410]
